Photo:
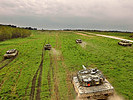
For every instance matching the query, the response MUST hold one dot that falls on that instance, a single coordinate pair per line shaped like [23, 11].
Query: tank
[10, 53]
[47, 47]
[131, 36]
[90, 83]
[78, 41]
[125, 43]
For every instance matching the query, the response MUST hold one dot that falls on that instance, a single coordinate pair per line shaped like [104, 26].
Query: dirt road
[113, 37]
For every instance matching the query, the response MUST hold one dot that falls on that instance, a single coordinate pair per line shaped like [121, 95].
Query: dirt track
[84, 34]
[33, 85]
[32, 93]
[113, 37]
[49, 74]
[40, 79]
[56, 90]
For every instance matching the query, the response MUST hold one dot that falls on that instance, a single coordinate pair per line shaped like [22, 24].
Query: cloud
[84, 8]
[63, 11]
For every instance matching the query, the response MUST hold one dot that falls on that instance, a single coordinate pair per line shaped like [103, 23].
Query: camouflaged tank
[10, 53]
[125, 43]
[47, 47]
[131, 36]
[78, 41]
[90, 83]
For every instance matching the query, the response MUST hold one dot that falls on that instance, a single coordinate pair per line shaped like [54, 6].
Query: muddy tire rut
[7, 62]
[56, 80]
[33, 87]
[68, 80]
[54, 73]
[2, 61]
[40, 79]
[51, 69]
[54, 69]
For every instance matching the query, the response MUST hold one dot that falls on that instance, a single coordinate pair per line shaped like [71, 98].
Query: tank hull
[47, 47]
[97, 92]
[125, 44]
[78, 41]
[8, 56]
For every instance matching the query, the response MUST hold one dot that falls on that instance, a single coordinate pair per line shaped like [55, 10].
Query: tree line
[8, 32]
[96, 30]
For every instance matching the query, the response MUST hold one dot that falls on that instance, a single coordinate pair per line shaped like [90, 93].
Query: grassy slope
[113, 60]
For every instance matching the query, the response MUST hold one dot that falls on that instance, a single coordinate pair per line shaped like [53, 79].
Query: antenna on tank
[84, 67]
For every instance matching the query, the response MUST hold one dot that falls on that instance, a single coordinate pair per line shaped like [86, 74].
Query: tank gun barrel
[84, 67]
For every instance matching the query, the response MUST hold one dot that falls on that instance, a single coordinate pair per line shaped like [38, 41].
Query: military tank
[47, 47]
[90, 83]
[125, 43]
[131, 36]
[78, 41]
[10, 53]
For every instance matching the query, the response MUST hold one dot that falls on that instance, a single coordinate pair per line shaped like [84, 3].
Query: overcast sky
[58, 14]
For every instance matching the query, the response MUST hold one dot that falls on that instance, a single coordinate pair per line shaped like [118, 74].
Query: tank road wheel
[5, 58]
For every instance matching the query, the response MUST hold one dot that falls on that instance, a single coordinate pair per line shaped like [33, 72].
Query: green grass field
[25, 79]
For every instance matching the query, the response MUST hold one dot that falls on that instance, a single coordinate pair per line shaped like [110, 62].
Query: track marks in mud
[5, 66]
[2, 60]
[14, 88]
[33, 85]
[55, 78]
[51, 69]
[68, 79]
[7, 62]
[32, 93]
[40, 78]
[53, 72]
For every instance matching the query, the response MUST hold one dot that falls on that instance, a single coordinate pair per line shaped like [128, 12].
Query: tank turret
[47, 47]
[90, 77]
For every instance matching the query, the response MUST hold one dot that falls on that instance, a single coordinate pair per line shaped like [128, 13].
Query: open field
[46, 75]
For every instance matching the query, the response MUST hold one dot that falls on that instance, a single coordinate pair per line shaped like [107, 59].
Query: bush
[16, 33]
[5, 33]
[8, 33]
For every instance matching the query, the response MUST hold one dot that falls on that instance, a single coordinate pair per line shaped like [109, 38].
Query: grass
[16, 78]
